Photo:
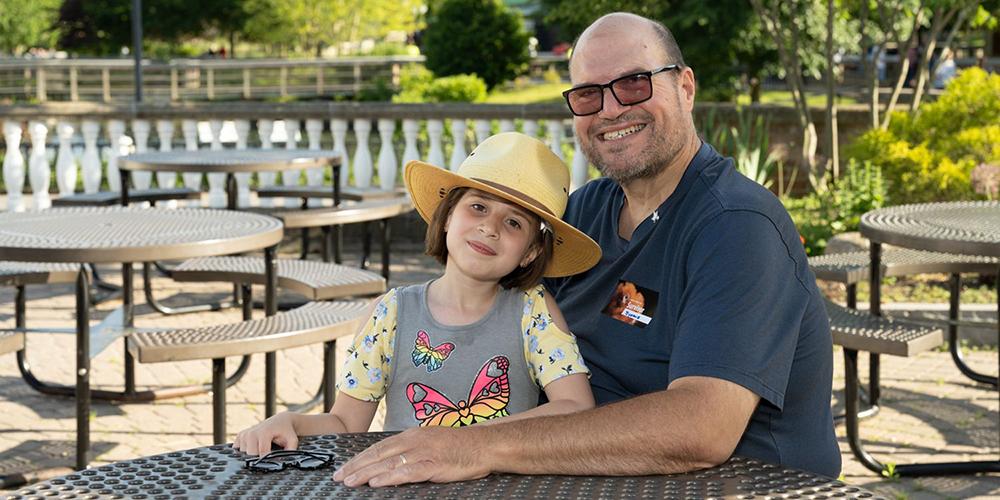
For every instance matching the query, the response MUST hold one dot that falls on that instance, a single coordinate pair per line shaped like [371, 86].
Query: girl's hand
[279, 429]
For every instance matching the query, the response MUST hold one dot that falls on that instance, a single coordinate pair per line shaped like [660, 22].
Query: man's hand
[438, 455]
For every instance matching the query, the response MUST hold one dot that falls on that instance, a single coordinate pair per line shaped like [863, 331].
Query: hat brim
[573, 251]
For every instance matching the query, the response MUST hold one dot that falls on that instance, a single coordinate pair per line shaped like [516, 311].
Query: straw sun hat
[519, 169]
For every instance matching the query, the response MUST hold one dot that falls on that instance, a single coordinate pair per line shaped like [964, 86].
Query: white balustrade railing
[435, 134]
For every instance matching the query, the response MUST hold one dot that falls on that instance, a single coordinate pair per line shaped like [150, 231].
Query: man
[702, 324]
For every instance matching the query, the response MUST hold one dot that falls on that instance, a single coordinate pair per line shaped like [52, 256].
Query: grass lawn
[544, 93]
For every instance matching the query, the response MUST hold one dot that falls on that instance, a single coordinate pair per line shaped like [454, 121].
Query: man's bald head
[628, 23]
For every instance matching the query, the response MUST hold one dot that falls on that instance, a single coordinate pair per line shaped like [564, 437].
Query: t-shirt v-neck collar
[645, 227]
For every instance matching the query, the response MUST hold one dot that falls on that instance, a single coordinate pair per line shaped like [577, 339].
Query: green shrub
[481, 37]
[456, 88]
[418, 84]
[380, 90]
[824, 213]
[928, 156]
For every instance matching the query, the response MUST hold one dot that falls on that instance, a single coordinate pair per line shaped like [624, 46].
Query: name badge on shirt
[632, 304]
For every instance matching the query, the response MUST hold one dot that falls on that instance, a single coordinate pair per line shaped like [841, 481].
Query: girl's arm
[348, 414]
[567, 394]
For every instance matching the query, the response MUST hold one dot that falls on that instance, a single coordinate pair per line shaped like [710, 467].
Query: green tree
[104, 26]
[480, 37]
[26, 24]
[717, 38]
[311, 25]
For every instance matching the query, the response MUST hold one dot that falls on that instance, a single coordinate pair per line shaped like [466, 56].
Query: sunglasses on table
[627, 90]
[279, 460]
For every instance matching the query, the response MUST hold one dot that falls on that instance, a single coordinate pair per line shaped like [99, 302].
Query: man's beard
[643, 164]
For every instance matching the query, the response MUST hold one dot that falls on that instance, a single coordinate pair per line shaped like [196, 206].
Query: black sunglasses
[627, 90]
[278, 460]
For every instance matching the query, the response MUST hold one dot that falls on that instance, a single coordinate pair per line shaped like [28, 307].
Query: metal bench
[312, 323]
[859, 331]
[313, 279]
[364, 212]
[346, 193]
[851, 268]
[108, 198]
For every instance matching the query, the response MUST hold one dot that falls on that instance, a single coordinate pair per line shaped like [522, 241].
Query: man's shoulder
[591, 197]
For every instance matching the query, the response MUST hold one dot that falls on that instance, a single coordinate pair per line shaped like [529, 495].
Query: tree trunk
[904, 66]
[832, 146]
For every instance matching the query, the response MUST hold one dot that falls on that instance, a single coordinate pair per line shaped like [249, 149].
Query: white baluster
[482, 128]
[362, 156]
[141, 129]
[338, 127]
[242, 129]
[387, 167]
[165, 132]
[555, 132]
[90, 164]
[192, 180]
[13, 166]
[65, 163]
[411, 129]
[38, 167]
[264, 130]
[216, 181]
[458, 154]
[314, 176]
[116, 133]
[530, 128]
[435, 153]
[506, 125]
[578, 172]
[291, 177]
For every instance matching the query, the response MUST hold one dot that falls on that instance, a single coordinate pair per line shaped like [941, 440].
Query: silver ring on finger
[402, 459]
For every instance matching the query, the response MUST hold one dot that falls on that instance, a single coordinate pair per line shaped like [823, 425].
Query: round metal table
[964, 227]
[218, 472]
[230, 162]
[127, 235]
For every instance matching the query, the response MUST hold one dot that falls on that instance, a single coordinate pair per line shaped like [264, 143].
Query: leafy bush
[747, 143]
[380, 90]
[928, 156]
[418, 84]
[481, 37]
[827, 212]
[456, 88]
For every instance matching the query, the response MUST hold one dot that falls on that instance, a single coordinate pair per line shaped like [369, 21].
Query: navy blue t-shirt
[715, 283]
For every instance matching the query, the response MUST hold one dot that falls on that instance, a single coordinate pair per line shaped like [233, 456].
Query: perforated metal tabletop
[131, 234]
[217, 472]
[230, 160]
[965, 227]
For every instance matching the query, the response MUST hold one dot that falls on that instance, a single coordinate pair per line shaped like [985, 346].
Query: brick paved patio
[927, 405]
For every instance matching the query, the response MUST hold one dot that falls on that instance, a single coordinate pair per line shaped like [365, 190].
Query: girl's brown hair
[522, 278]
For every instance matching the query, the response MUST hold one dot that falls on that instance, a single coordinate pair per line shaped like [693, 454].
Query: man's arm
[695, 423]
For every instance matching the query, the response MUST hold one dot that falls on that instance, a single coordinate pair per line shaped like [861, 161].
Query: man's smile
[615, 135]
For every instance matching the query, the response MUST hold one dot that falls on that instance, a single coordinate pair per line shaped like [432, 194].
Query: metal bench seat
[860, 331]
[346, 193]
[309, 324]
[13, 273]
[853, 267]
[108, 198]
[316, 322]
[347, 213]
[313, 279]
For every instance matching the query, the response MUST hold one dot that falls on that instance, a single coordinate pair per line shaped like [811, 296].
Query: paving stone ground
[930, 411]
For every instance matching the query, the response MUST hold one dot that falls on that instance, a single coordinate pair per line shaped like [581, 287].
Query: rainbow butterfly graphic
[432, 356]
[487, 399]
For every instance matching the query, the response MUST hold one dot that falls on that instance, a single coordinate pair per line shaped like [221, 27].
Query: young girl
[479, 342]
